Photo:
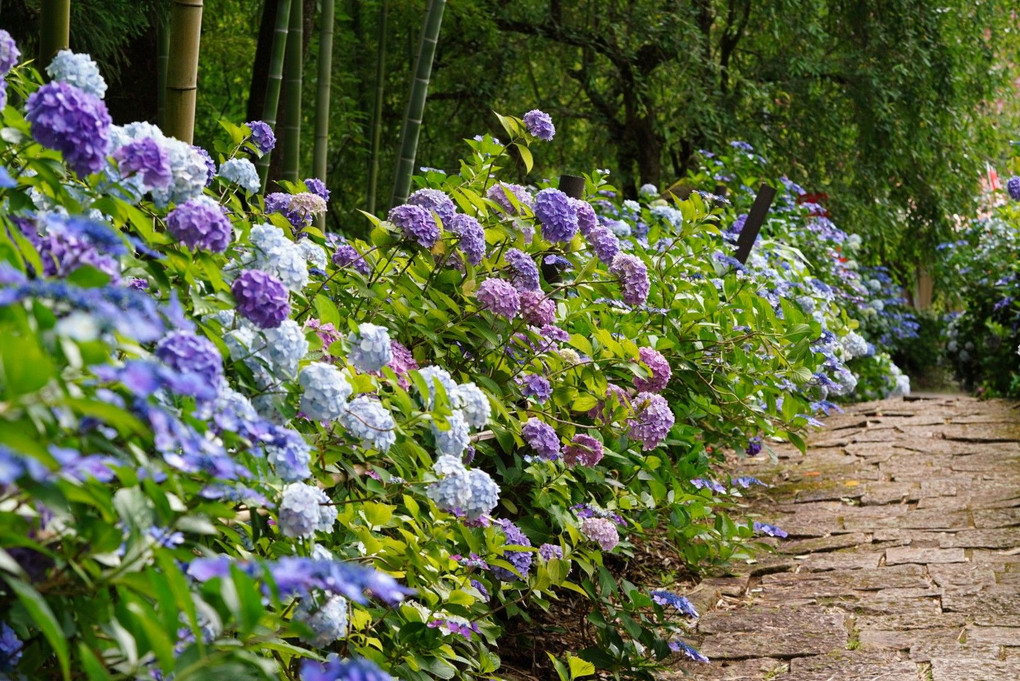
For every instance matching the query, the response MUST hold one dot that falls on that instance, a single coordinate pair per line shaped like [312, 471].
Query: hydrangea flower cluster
[300, 209]
[499, 297]
[525, 273]
[501, 193]
[9, 53]
[475, 406]
[1013, 187]
[541, 437]
[533, 385]
[455, 438]
[652, 420]
[262, 136]
[679, 603]
[327, 621]
[557, 214]
[549, 552]
[472, 237]
[770, 530]
[78, 70]
[659, 369]
[73, 122]
[537, 309]
[855, 346]
[201, 224]
[584, 450]
[289, 453]
[402, 363]
[366, 419]
[304, 510]
[633, 276]
[347, 255]
[416, 223]
[461, 491]
[435, 201]
[147, 160]
[604, 243]
[540, 125]
[276, 254]
[335, 669]
[371, 349]
[317, 187]
[433, 375]
[325, 391]
[241, 172]
[261, 298]
[191, 355]
[520, 560]
[601, 531]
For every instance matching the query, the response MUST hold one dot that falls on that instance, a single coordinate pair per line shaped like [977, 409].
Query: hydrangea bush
[231, 445]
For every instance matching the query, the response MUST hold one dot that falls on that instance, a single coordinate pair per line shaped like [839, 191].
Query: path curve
[903, 561]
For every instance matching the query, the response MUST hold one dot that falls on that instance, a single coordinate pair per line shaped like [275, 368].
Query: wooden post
[755, 219]
[182, 69]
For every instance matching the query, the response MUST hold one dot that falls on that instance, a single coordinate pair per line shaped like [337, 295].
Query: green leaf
[579, 667]
[42, 616]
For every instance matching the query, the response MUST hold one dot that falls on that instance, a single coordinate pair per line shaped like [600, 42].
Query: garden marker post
[54, 30]
[416, 102]
[275, 77]
[755, 219]
[182, 69]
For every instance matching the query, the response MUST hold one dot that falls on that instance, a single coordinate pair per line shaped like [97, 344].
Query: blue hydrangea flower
[325, 391]
[770, 530]
[557, 214]
[540, 125]
[525, 272]
[314, 254]
[335, 669]
[471, 493]
[9, 53]
[262, 136]
[435, 201]
[673, 600]
[284, 348]
[289, 453]
[416, 223]
[73, 122]
[279, 256]
[521, 560]
[533, 385]
[542, 438]
[188, 169]
[305, 509]
[188, 353]
[328, 621]
[10, 645]
[200, 224]
[455, 438]
[370, 348]
[433, 375]
[146, 159]
[473, 403]
[368, 420]
[472, 237]
[78, 70]
[261, 298]
[678, 646]
[241, 172]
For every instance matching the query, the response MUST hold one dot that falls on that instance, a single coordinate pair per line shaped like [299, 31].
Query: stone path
[903, 560]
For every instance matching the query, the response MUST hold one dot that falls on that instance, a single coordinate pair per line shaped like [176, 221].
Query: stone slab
[905, 554]
[926, 651]
[755, 669]
[1003, 538]
[1003, 636]
[987, 608]
[974, 670]
[997, 518]
[839, 560]
[918, 602]
[826, 543]
[961, 574]
[901, 621]
[848, 581]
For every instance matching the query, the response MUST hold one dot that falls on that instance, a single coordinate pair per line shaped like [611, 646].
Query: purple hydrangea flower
[501, 193]
[525, 272]
[659, 369]
[770, 530]
[746, 481]
[73, 122]
[10, 644]
[542, 438]
[584, 450]
[533, 385]
[678, 646]
[262, 136]
[200, 224]
[435, 201]
[210, 165]
[347, 255]
[9, 53]
[261, 298]
[605, 243]
[652, 420]
[633, 276]
[549, 551]
[148, 159]
[416, 223]
[684, 606]
[540, 125]
[537, 309]
[317, 187]
[472, 236]
[188, 353]
[602, 531]
[586, 218]
[521, 560]
[357, 669]
[753, 447]
[557, 214]
[499, 297]
[403, 362]
[1013, 187]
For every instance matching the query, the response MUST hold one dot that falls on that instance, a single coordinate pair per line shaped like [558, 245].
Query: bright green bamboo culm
[416, 102]
[182, 69]
[162, 24]
[54, 29]
[380, 89]
[275, 77]
[294, 68]
[322, 96]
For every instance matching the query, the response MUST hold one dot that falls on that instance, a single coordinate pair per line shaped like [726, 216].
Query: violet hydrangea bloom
[436, 201]
[633, 276]
[533, 385]
[78, 70]
[261, 298]
[347, 255]
[401, 363]
[549, 551]
[499, 297]
[557, 214]
[73, 122]
[681, 604]
[537, 309]
[188, 353]
[317, 187]
[586, 218]
[652, 420]
[416, 223]
[584, 450]
[601, 531]
[659, 369]
[1013, 187]
[203, 156]
[521, 560]
[9, 53]
[540, 125]
[472, 236]
[335, 669]
[10, 646]
[147, 159]
[501, 193]
[541, 437]
[525, 271]
[262, 136]
[604, 243]
[200, 224]
[770, 530]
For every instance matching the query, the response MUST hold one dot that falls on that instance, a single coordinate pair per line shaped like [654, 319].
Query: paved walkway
[903, 561]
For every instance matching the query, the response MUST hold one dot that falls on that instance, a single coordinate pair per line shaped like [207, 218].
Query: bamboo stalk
[162, 61]
[294, 67]
[54, 30]
[380, 87]
[275, 77]
[416, 101]
[322, 96]
[182, 69]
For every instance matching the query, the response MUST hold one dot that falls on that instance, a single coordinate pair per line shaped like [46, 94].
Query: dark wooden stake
[755, 219]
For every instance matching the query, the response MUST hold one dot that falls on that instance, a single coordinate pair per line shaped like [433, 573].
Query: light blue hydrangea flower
[187, 170]
[368, 420]
[473, 402]
[241, 172]
[370, 348]
[448, 464]
[305, 509]
[279, 256]
[284, 348]
[314, 254]
[472, 493]
[854, 345]
[290, 455]
[325, 391]
[432, 375]
[328, 621]
[455, 439]
[78, 70]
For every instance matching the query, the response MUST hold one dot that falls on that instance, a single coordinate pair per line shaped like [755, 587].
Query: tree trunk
[294, 68]
[416, 101]
[54, 30]
[377, 112]
[274, 78]
[182, 69]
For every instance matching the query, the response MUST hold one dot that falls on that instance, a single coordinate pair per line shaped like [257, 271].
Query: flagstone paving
[903, 560]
